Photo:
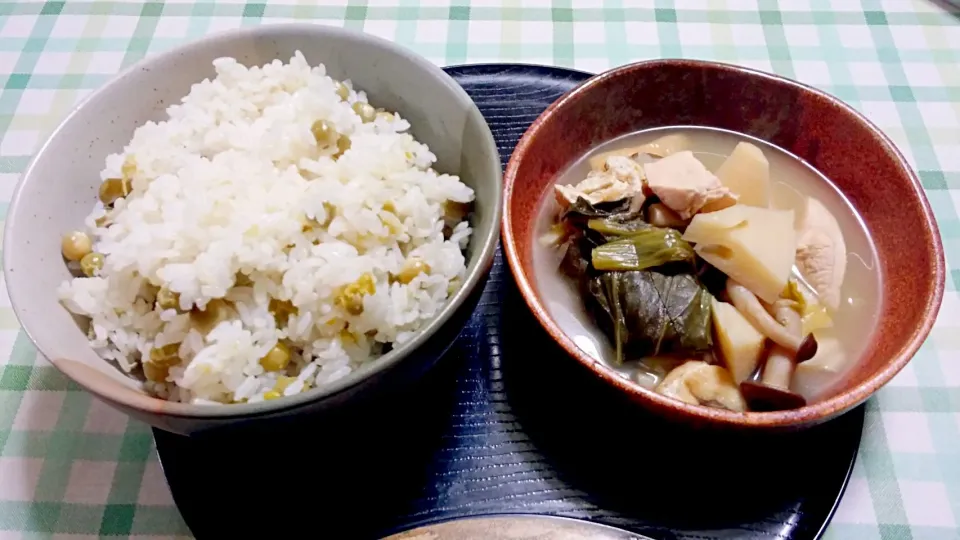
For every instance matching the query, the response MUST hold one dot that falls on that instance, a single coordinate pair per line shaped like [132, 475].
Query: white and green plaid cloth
[72, 468]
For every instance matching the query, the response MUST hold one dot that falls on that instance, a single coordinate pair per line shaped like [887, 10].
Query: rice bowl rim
[484, 247]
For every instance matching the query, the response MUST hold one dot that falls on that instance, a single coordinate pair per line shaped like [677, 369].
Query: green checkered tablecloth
[72, 468]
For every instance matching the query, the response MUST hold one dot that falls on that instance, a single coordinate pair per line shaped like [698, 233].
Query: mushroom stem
[772, 392]
[750, 307]
[779, 367]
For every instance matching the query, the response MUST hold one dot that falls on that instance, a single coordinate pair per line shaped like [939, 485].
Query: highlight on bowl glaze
[842, 145]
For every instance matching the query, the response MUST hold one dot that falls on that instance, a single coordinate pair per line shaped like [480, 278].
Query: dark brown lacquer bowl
[839, 142]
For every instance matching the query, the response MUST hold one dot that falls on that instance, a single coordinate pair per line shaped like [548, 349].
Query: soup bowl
[60, 186]
[863, 164]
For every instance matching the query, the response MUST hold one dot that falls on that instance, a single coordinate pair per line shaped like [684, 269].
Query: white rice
[225, 186]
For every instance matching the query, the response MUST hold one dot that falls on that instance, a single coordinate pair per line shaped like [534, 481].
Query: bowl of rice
[261, 223]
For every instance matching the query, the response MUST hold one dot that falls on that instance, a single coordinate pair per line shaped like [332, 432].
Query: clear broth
[792, 180]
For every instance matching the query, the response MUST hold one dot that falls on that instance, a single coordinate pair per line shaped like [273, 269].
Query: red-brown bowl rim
[809, 414]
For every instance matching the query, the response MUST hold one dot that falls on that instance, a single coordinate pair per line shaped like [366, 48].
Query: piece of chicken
[622, 178]
[821, 252]
[685, 186]
[700, 383]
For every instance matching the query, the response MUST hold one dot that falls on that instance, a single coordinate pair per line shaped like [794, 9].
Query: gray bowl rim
[484, 259]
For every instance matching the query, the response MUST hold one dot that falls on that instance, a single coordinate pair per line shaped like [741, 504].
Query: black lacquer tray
[507, 423]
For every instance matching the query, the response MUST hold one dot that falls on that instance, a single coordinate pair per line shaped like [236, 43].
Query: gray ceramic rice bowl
[60, 188]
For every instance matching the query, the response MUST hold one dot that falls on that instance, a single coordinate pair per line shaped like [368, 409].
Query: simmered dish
[711, 267]
[273, 233]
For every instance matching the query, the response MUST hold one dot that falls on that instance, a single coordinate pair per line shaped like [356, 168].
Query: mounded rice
[233, 198]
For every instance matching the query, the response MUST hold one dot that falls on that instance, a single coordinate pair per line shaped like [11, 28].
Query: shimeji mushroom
[772, 391]
[659, 215]
[802, 348]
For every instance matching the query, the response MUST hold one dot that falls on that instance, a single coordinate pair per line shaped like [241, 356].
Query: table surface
[72, 468]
